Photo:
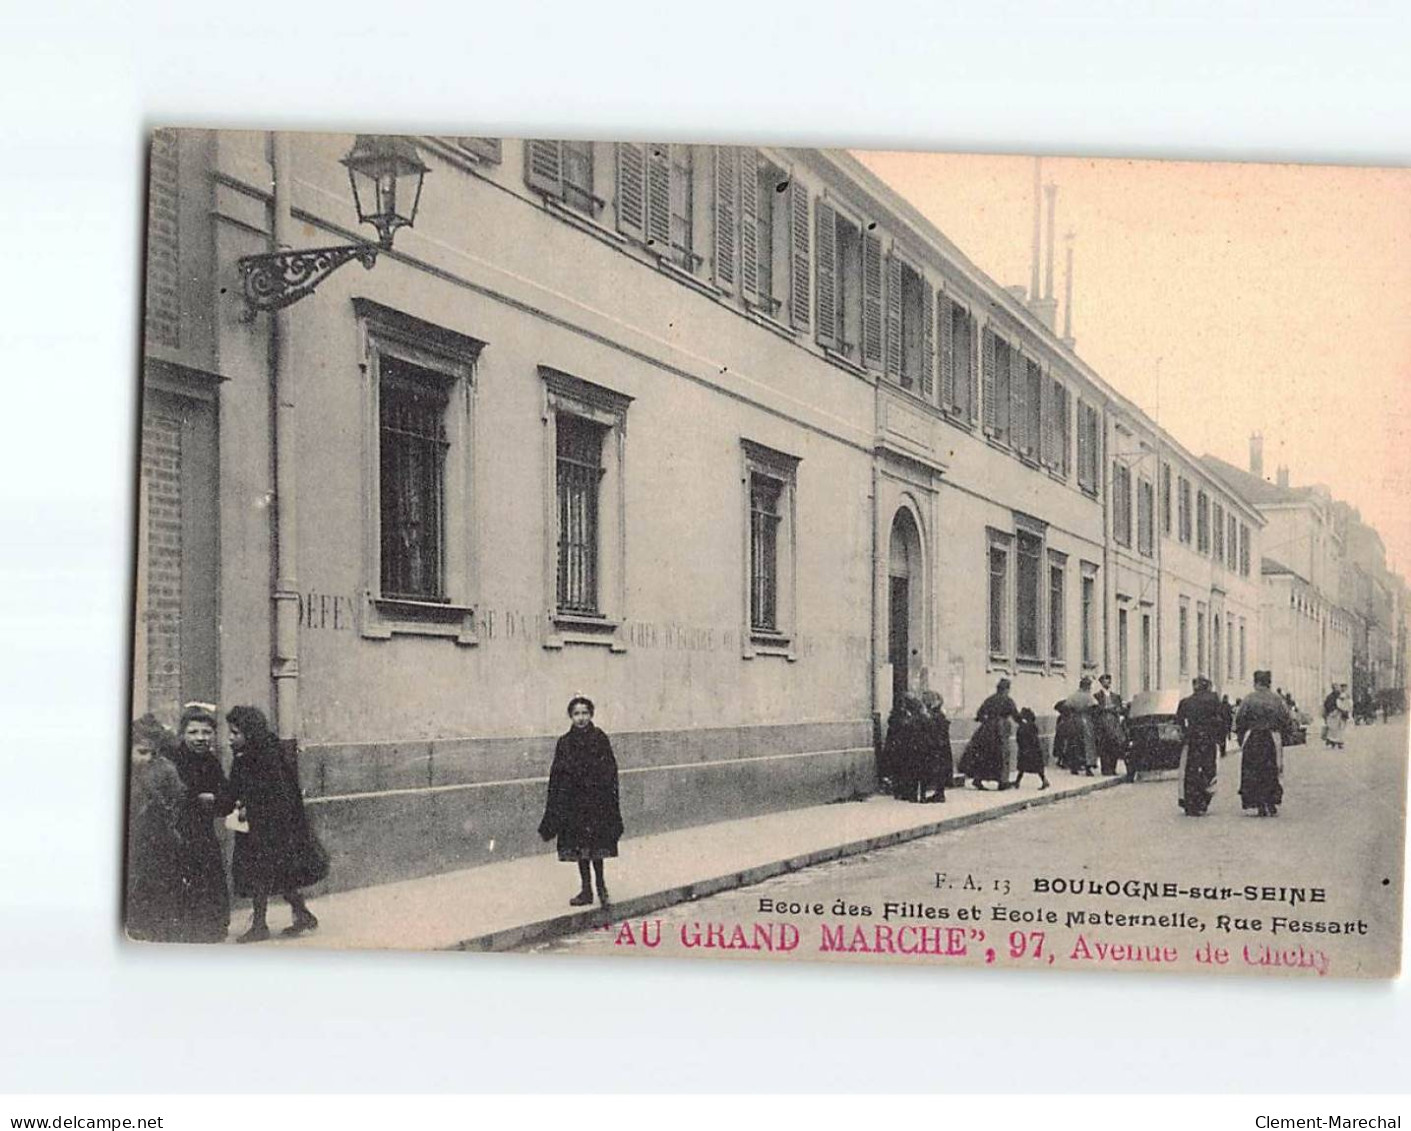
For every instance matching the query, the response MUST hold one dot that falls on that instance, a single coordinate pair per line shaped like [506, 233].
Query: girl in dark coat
[940, 762]
[206, 912]
[583, 809]
[1031, 751]
[278, 853]
[906, 751]
[156, 882]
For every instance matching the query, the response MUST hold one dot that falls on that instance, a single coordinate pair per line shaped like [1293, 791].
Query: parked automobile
[1154, 737]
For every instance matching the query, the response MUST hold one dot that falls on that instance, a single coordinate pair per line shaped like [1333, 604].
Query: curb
[512, 938]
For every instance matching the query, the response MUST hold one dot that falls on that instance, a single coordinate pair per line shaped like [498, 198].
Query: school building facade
[732, 440]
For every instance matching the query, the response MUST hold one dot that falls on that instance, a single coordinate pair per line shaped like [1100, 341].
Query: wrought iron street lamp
[385, 174]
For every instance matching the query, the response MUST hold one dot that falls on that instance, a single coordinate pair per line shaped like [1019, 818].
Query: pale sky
[1272, 298]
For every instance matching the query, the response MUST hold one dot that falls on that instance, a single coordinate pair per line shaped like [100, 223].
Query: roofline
[844, 163]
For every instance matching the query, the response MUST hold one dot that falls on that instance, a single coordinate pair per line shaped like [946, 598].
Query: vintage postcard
[649, 548]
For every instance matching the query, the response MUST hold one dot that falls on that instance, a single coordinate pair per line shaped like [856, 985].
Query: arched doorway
[904, 603]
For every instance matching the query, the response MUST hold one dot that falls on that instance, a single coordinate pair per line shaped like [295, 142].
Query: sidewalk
[508, 905]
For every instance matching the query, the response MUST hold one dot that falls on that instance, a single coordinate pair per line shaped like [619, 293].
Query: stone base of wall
[396, 811]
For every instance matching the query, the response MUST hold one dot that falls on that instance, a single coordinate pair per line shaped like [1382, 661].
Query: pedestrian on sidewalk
[1227, 722]
[583, 809]
[984, 755]
[941, 762]
[1031, 751]
[1111, 733]
[205, 912]
[1201, 717]
[276, 853]
[907, 749]
[156, 858]
[1263, 720]
[1074, 738]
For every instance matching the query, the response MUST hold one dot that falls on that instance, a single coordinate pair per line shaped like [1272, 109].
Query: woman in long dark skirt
[1031, 751]
[1261, 723]
[983, 759]
[277, 854]
[583, 809]
[206, 911]
[156, 860]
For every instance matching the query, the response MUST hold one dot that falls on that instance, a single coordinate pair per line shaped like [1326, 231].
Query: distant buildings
[1332, 611]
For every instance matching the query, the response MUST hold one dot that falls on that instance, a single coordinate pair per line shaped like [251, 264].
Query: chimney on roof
[1038, 205]
[1283, 476]
[1068, 290]
[1256, 454]
[1045, 308]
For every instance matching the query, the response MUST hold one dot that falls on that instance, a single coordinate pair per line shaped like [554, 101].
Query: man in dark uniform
[1202, 719]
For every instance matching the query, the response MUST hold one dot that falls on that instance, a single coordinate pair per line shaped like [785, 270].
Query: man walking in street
[1203, 720]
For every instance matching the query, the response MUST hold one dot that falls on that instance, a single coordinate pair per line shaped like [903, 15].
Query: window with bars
[1146, 651]
[579, 473]
[1028, 595]
[1089, 614]
[1183, 630]
[998, 600]
[766, 494]
[412, 468]
[1057, 612]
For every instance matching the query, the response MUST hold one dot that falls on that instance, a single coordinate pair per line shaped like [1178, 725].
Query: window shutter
[1046, 420]
[799, 276]
[928, 341]
[543, 167]
[826, 241]
[485, 148]
[946, 336]
[726, 166]
[972, 364]
[631, 189]
[871, 299]
[1065, 430]
[659, 196]
[1085, 453]
[894, 318]
[988, 371]
[1018, 418]
[749, 224]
